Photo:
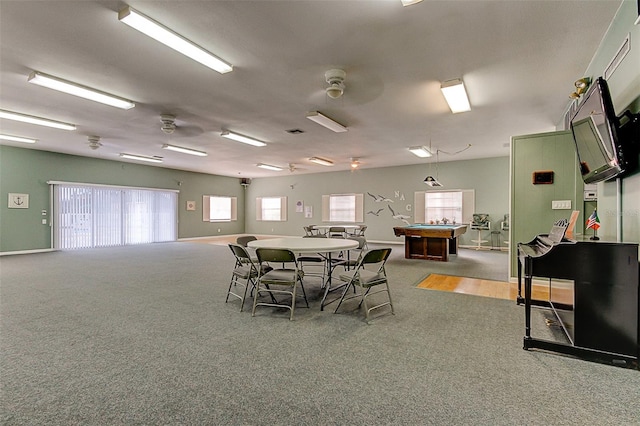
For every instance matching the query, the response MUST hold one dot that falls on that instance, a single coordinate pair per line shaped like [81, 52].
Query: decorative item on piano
[594, 223]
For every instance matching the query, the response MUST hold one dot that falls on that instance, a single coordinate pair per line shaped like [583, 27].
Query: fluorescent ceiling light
[164, 35]
[184, 150]
[269, 167]
[17, 139]
[325, 121]
[420, 151]
[241, 138]
[75, 89]
[321, 161]
[409, 2]
[141, 158]
[456, 95]
[31, 119]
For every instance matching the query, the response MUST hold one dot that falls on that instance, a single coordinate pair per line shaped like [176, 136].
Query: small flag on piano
[593, 222]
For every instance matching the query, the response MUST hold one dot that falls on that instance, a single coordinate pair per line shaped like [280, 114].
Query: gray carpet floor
[141, 335]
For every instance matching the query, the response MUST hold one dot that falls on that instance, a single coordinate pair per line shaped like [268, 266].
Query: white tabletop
[305, 245]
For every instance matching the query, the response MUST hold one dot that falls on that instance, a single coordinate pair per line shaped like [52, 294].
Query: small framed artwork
[191, 205]
[544, 177]
[18, 201]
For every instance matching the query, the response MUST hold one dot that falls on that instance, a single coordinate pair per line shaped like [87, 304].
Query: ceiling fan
[169, 127]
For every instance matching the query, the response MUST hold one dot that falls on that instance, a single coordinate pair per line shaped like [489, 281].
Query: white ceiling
[518, 59]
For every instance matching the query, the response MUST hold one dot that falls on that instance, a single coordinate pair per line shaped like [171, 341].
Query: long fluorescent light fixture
[409, 2]
[269, 167]
[75, 89]
[184, 150]
[325, 121]
[17, 139]
[321, 161]
[164, 35]
[456, 95]
[241, 138]
[420, 151]
[32, 119]
[141, 158]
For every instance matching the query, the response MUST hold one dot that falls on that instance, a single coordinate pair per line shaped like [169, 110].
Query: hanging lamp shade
[431, 181]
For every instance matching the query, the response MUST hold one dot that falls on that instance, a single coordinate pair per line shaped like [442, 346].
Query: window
[454, 206]
[271, 208]
[87, 216]
[219, 208]
[344, 208]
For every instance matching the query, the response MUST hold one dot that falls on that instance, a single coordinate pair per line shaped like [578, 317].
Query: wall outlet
[218, 229]
[44, 221]
[561, 205]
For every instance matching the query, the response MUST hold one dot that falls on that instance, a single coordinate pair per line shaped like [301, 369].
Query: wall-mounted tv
[605, 148]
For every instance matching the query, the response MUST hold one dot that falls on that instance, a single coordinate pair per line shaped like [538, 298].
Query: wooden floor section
[478, 287]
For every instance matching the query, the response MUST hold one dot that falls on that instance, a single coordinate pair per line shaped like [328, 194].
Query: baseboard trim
[11, 253]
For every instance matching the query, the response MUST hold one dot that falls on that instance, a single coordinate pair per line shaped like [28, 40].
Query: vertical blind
[88, 216]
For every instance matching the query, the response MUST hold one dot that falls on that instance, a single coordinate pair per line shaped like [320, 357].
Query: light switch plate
[561, 205]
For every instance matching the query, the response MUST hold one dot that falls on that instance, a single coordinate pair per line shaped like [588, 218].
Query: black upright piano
[600, 318]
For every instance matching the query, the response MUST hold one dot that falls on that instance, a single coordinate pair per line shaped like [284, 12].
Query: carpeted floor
[141, 335]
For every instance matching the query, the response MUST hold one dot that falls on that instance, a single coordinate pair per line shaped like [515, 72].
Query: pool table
[432, 242]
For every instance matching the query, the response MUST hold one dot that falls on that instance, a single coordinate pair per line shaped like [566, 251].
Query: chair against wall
[480, 222]
[504, 227]
[283, 280]
[244, 275]
[368, 274]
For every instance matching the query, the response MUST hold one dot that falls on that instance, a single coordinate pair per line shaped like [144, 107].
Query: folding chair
[282, 280]
[368, 273]
[245, 274]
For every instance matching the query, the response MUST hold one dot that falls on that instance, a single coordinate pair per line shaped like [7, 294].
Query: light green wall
[488, 177]
[531, 204]
[27, 171]
[624, 85]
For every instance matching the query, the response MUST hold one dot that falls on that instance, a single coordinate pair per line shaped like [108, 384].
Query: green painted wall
[621, 204]
[488, 177]
[27, 171]
[531, 204]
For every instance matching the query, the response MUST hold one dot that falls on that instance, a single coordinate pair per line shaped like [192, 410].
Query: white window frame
[208, 211]
[468, 205]
[280, 213]
[358, 208]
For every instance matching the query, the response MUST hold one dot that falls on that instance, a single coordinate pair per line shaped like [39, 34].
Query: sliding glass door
[87, 216]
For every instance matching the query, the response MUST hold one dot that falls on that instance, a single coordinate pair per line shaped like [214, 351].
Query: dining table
[299, 245]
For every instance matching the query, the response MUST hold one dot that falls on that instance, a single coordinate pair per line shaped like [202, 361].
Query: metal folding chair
[368, 274]
[244, 275]
[282, 280]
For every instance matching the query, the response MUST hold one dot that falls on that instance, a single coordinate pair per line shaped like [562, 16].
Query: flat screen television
[605, 149]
